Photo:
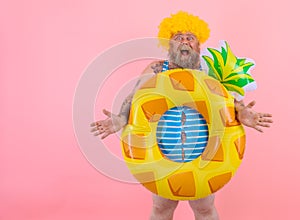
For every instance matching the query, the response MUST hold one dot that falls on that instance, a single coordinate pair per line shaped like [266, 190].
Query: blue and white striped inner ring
[182, 134]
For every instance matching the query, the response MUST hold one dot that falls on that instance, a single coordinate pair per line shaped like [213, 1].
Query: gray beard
[190, 62]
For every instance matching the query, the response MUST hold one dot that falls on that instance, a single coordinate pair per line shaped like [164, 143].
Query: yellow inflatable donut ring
[182, 141]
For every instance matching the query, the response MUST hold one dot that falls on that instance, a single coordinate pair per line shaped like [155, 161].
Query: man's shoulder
[154, 67]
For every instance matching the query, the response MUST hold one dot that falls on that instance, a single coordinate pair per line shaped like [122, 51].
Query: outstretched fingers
[263, 124]
[94, 129]
[97, 127]
[105, 134]
[95, 124]
[258, 128]
[265, 117]
[104, 127]
[264, 120]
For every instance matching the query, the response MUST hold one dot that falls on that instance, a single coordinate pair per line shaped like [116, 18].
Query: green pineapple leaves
[231, 71]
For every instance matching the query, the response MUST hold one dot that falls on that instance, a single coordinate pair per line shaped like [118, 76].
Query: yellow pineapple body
[195, 172]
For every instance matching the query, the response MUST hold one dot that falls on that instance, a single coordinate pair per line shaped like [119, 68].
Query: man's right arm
[114, 123]
[153, 68]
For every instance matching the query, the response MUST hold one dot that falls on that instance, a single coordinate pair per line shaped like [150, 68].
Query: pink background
[45, 47]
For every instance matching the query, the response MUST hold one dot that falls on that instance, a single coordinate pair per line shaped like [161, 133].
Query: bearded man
[185, 34]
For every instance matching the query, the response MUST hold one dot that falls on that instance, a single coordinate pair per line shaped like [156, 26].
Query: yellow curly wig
[183, 22]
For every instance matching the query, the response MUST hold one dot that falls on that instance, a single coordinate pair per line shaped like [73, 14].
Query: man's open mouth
[185, 52]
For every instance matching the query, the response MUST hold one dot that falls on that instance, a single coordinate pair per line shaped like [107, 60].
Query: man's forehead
[184, 34]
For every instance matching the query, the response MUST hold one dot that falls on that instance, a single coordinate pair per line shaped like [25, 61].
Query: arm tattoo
[126, 105]
[125, 108]
[157, 68]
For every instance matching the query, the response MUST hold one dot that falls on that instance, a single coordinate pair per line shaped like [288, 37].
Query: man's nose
[184, 41]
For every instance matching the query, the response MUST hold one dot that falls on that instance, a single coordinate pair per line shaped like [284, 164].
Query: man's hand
[248, 117]
[110, 125]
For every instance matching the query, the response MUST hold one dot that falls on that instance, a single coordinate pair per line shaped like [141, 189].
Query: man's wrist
[123, 119]
[239, 105]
